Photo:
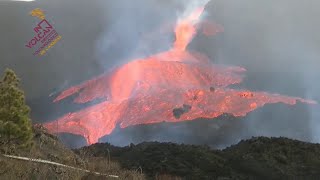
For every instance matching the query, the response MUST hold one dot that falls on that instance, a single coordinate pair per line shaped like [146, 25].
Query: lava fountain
[147, 90]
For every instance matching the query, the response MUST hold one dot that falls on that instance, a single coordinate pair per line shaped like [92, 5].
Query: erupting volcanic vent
[172, 86]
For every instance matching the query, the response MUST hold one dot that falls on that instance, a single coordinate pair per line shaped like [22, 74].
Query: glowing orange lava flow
[186, 29]
[146, 91]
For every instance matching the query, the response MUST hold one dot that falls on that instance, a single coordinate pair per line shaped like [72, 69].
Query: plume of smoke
[190, 6]
[144, 28]
[311, 76]
[131, 31]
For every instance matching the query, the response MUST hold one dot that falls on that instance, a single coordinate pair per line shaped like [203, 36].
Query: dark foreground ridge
[257, 158]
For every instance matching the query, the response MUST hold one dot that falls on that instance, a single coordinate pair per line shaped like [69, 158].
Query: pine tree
[15, 124]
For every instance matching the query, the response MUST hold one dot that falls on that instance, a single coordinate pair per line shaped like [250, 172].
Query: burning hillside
[149, 90]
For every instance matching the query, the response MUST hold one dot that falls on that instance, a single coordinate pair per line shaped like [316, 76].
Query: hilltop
[48, 147]
[256, 158]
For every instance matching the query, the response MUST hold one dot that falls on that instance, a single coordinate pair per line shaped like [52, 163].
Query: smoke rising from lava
[145, 91]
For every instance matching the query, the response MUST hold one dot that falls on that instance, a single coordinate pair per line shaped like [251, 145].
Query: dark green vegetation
[257, 158]
[15, 124]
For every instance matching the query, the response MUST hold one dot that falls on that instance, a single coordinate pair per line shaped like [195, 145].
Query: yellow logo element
[42, 52]
[38, 13]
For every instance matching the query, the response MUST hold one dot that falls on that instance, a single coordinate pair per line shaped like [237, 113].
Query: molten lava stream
[146, 91]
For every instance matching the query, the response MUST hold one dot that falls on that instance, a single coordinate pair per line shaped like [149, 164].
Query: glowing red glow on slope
[146, 91]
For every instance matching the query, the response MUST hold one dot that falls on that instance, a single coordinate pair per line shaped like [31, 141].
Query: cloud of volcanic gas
[277, 42]
[135, 29]
[140, 28]
[312, 91]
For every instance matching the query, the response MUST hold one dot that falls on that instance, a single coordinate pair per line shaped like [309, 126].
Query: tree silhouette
[15, 124]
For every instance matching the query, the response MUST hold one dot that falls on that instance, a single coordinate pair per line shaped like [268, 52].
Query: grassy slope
[53, 150]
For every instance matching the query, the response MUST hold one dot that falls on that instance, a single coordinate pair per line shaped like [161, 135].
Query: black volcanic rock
[177, 112]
